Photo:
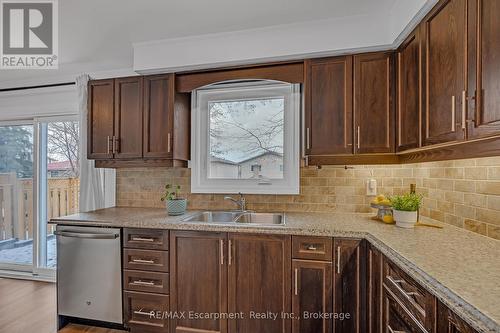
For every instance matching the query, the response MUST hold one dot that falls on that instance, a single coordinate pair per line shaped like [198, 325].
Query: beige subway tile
[454, 197]
[382, 172]
[494, 202]
[475, 226]
[437, 215]
[494, 173]
[454, 173]
[429, 203]
[430, 183]
[337, 181]
[488, 187]
[402, 173]
[445, 184]
[436, 173]
[477, 173]
[464, 163]
[465, 211]
[437, 194]
[454, 220]
[493, 231]
[476, 200]
[421, 172]
[446, 207]
[488, 216]
[493, 161]
[464, 186]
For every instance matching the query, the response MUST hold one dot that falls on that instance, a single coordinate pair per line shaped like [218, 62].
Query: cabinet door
[329, 106]
[444, 38]
[158, 115]
[259, 282]
[198, 279]
[374, 291]
[373, 103]
[484, 68]
[100, 121]
[397, 319]
[312, 294]
[448, 322]
[128, 118]
[408, 90]
[349, 289]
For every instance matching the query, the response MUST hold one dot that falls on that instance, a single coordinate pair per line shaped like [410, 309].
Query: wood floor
[30, 307]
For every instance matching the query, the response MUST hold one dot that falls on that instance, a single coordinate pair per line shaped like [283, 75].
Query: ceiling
[97, 35]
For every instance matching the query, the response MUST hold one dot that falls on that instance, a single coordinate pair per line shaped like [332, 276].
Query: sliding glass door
[39, 180]
[16, 196]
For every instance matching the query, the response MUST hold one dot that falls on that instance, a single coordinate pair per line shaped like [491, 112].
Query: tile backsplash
[465, 193]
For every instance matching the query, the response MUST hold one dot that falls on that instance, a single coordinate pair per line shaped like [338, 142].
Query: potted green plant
[175, 204]
[405, 209]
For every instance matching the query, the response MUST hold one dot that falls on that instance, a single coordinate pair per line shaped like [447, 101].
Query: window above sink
[245, 138]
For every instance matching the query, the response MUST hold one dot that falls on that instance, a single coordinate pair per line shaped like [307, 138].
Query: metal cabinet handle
[143, 261]
[396, 283]
[108, 150]
[464, 109]
[312, 247]
[221, 249]
[359, 137]
[142, 313]
[143, 283]
[116, 145]
[230, 254]
[141, 239]
[338, 260]
[296, 281]
[76, 234]
[389, 328]
[453, 112]
[169, 142]
[308, 138]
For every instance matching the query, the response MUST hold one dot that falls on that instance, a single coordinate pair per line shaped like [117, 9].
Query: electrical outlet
[371, 187]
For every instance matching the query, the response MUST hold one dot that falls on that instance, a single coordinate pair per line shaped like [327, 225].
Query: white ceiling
[97, 35]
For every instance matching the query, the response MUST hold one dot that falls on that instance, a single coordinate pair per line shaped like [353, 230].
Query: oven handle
[85, 235]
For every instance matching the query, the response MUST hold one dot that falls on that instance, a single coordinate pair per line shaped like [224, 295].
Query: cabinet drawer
[397, 319]
[312, 248]
[150, 282]
[146, 313]
[145, 260]
[145, 239]
[410, 294]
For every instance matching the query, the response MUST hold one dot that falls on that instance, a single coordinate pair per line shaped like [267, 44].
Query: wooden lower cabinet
[449, 322]
[349, 285]
[396, 318]
[259, 282]
[198, 280]
[374, 291]
[145, 312]
[312, 296]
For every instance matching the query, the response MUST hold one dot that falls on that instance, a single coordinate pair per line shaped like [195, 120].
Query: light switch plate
[371, 187]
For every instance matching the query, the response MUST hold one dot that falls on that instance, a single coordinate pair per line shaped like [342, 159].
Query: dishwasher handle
[85, 235]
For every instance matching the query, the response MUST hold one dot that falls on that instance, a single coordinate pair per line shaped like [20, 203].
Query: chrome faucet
[241, 202]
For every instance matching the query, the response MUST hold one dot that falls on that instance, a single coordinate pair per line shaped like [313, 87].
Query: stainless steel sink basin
[237, 218]
[213, 217]
[261, 219]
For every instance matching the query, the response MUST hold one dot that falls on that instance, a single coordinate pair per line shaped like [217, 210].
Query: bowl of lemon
[384, 209]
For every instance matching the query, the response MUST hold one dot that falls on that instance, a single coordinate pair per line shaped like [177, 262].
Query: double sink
[237, 218]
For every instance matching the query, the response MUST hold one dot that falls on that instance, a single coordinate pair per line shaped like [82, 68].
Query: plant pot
[176, 207]
[405, 219]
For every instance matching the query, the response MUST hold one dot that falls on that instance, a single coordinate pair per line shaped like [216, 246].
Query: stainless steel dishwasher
[89, 282]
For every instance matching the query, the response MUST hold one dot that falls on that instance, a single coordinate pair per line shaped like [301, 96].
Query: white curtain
[96, 185]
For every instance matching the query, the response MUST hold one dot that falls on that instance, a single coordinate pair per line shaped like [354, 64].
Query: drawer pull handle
[396, 283]
[393, 331]
[312, 248]
[338, 260]
[296, 281]
[142, 313]
[143, 283]
[141, 239]
[143, 261]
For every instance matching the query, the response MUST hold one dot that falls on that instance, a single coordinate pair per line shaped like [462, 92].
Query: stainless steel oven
[89, 282]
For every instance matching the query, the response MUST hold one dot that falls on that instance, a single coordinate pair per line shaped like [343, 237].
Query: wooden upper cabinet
[329, 106]
[484, 68]
[408, 93]
[444, 43]
[373, 103]
[259, 281]
[349, 286]
[100, 119]
[128, 117]
[198, 279]
[158, 116]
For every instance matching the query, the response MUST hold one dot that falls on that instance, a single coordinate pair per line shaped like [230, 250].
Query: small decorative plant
[405, 209]
[409, 202]
[175, 204]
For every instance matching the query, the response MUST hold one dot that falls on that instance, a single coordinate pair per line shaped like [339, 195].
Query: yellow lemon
[388, 219]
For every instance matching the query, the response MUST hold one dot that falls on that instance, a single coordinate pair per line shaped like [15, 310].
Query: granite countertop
[459, 267]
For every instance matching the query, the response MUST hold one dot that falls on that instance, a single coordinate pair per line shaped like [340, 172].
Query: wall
[465, 193]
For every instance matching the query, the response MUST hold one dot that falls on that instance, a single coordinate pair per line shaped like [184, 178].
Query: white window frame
[200, 141]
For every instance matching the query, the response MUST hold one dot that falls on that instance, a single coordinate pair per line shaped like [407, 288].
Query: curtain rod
[40, 86]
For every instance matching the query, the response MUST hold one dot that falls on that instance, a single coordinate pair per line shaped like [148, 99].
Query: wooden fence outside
[16, 203]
